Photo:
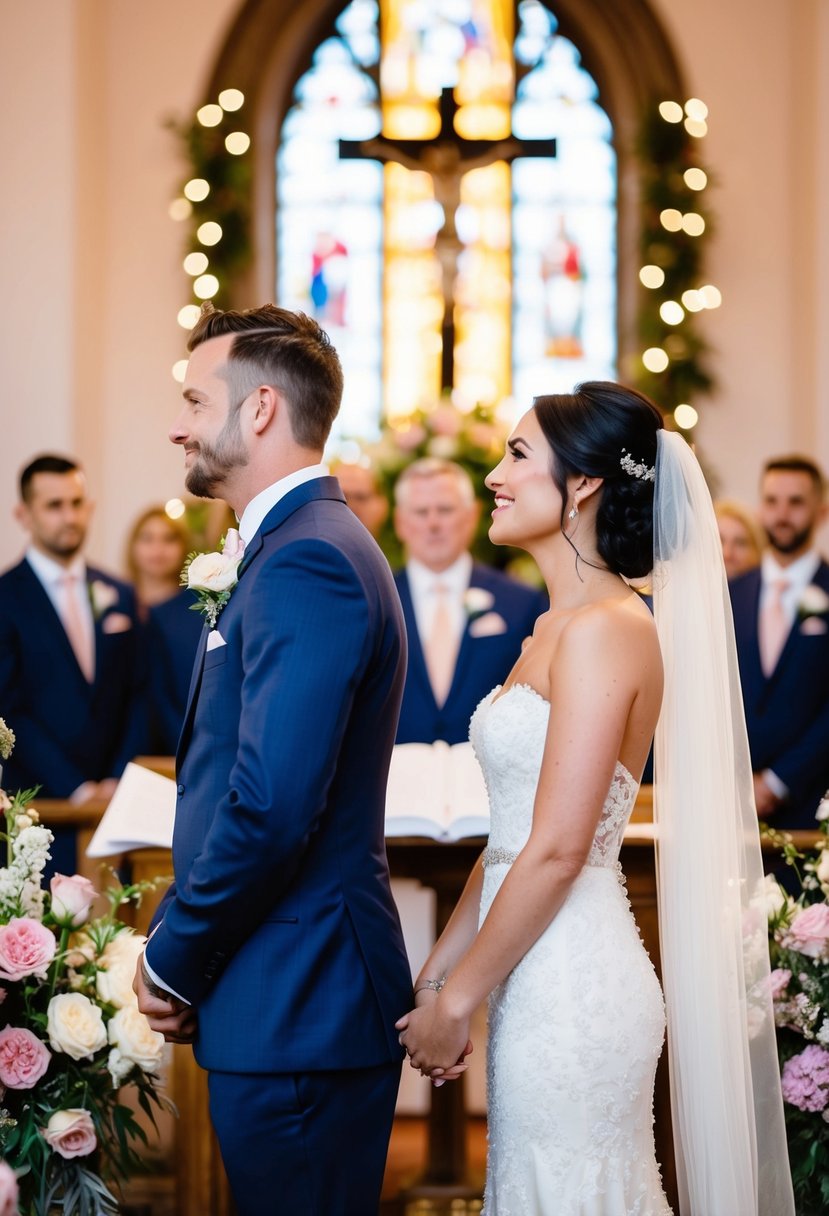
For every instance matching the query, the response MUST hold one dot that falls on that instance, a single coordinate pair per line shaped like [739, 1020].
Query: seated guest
[740, 536]
[156, 551]
[70, 679]
[465, 622]
[363, 494]
[781, 618]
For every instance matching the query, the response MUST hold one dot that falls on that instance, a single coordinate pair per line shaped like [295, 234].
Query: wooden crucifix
[446, 158]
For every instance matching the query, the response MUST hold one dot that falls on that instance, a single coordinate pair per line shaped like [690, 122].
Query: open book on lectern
[436, 790]
[140, 814]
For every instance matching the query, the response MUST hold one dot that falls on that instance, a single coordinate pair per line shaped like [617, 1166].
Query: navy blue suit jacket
[280, 927]
[482, 661]
[787, 714]
[173, 633]
[68, 731]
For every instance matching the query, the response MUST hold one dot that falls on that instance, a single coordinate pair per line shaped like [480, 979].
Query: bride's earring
[574, 511]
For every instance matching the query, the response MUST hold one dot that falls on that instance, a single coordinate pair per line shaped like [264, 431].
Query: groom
[278, 950]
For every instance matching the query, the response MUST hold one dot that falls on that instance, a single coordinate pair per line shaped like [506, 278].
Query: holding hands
[436, 1039]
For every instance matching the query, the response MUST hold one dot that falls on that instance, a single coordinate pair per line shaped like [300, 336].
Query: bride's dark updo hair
[589, 430]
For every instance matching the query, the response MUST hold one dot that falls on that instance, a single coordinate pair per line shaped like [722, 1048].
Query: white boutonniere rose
[212, 576]
[103, 596]
[813, 602]
[477, 601]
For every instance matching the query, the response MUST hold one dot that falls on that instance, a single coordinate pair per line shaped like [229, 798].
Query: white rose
[75, 1025]
[775, 897]
[212, 572]
[822, 867]
[814, 601]
[117, 967]
[104, 596]
[130, 1033]
[478, 600]
[823, 809]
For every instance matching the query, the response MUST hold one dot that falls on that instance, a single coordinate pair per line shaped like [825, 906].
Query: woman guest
[156, 551]
[740, 535]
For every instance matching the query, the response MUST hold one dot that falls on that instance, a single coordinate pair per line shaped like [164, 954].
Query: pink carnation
[779, 982]
[809, 931]
[8, 1190]
[26, 948]
[806, 1079]
[23, 1058]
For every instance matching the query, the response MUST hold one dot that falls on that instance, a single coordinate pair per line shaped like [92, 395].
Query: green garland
[665, 151]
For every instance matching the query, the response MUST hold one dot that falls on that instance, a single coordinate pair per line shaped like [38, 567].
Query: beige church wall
[763, 70]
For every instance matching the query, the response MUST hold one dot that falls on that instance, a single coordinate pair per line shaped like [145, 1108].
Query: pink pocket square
[116, 622]
[487, 626]
[814, 625]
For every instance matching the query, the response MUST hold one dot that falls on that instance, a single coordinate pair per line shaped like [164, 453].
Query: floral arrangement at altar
[799, 945]
[71, 1034]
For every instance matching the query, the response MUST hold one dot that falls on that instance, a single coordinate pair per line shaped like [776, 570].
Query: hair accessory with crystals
[637, 469]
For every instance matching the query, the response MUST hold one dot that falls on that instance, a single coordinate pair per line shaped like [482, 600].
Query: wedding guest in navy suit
[781, 617]
[278, 949]
[465, 622]
[70, 683]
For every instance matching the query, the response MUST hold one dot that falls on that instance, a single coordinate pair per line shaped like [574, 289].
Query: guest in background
[781, 618]
[465, 622]
[362, 492]
[70, 680]
[740, 535]
[156, 551]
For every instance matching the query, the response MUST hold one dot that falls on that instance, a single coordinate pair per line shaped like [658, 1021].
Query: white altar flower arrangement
[799, 946]
[213, 576]
[72, 1034]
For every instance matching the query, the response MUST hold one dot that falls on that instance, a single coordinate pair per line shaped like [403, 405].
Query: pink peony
[809, 932]
[26, 948]
[8, 1190]
[72, 899]
[778, 983]
[71, 1133]
[23, 1058]
[806, 1079]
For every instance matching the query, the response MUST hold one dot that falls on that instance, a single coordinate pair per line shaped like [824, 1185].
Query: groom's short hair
[284, 349]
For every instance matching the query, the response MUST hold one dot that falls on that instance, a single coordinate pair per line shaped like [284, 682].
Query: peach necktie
[75, 626]
[774, 626]
[441, 649]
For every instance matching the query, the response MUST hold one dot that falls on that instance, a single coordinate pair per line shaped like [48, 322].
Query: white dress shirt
[250, 523]
[49, 574]
[798, 576]
[422, 584]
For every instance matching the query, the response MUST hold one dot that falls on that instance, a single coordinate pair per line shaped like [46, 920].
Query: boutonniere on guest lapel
[813, 610]
[102, 597]
[212, 576]
[477, 601]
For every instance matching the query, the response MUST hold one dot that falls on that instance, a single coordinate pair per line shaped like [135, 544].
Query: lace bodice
[507, 731]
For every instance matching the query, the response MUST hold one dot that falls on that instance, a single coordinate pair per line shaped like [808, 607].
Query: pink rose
[809, 932]
[8, 1190]
[71, 1133]
[778, 982]
[72, 899]
[26, 948]
[23, 1058]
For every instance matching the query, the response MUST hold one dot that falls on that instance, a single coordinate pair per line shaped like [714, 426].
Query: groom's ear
[269, 403]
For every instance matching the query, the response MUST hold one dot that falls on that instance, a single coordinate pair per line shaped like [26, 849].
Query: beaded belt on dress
[498, 857]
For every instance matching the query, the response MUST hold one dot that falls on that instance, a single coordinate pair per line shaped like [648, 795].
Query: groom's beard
[784, 538]
[208, 472]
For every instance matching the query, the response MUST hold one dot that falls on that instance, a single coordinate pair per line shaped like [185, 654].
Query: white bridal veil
[729, 1130]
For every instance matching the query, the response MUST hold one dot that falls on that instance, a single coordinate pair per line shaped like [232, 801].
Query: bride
[595, 489]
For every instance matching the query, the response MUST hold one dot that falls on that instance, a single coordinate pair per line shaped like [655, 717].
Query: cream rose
[130, 1033]
[117, 969]
[75, 1026]
[212, 572]
[71, 1133]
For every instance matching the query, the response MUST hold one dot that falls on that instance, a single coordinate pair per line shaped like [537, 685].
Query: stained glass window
[520, 257]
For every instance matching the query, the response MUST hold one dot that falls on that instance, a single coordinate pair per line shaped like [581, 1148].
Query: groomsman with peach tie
[781, 618]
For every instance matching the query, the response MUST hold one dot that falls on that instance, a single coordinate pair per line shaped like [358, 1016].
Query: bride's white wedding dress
[576, 1029]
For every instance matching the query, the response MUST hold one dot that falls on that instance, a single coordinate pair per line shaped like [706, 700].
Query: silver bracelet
[434, 985]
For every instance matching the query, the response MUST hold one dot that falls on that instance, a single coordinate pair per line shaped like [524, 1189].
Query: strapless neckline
[500, 691]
